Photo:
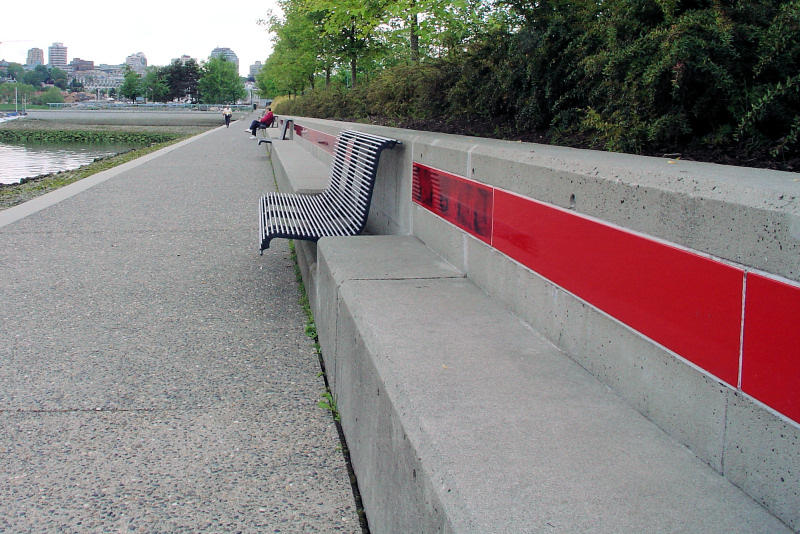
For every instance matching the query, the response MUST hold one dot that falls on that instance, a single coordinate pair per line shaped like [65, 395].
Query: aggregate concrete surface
[154, 371]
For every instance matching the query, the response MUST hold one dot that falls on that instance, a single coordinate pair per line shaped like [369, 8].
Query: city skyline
[162, 32]
[36, 56]
[244, 70]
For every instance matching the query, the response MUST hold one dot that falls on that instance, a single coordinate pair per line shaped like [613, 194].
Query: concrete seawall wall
[137, 118]
[677, 284]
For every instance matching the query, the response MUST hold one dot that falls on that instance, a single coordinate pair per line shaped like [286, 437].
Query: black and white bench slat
[342, 208]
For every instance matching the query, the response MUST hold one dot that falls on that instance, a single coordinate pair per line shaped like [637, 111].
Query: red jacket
[267, 118]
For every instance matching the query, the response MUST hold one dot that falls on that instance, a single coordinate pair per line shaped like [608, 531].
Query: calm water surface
[25, 161]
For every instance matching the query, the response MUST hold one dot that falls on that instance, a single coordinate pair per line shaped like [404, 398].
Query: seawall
[676, 284]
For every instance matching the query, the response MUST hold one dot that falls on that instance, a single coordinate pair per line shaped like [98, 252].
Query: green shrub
[640, 76]
[51, 96]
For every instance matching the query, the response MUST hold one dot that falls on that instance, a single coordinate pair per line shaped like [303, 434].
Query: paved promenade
[154, 372]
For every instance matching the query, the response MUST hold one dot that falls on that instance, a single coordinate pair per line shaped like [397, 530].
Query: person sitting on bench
[266, 120]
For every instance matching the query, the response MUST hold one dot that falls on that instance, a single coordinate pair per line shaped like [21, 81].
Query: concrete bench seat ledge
[296, 169]
[460, 418]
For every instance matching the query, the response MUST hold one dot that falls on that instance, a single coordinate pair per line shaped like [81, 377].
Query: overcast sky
[108, 32]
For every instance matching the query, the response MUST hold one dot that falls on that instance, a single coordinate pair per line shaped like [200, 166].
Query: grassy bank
[154, 138]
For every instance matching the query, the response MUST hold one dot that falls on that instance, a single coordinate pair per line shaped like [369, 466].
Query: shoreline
[32, 187]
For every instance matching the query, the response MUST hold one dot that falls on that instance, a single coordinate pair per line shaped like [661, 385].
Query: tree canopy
[220, 82]
[181, 79]
[631, 75]
[131, 85]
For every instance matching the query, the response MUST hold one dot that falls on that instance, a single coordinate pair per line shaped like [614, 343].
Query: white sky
[108, 32]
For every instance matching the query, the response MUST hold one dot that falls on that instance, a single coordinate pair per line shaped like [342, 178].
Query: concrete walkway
[154, 372]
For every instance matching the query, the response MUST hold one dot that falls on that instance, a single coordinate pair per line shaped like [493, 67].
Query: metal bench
[265, 138]
[342, 208]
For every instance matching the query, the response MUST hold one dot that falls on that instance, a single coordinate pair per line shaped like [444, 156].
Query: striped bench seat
[341, 209]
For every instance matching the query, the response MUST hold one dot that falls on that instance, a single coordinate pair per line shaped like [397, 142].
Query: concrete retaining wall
[724, 239]
[137, 118]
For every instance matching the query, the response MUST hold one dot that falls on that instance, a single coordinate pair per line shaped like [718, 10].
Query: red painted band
[467, 204]
[689, 303]
[771, 345]
[323, 140]
[684, 301]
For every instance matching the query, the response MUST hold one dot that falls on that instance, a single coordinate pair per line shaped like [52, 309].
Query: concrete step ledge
[296, 170]
[460, 418]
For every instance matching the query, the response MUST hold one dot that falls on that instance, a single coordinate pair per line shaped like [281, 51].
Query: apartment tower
[57, 55]
[35, 57]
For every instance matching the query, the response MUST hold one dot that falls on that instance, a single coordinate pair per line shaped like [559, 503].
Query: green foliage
[39, 75]
[410, 91]
[131, 85]
[641, 76]
[219, 82]
[154, 85]
[328, 403]
[59, 78]
[771, 116]
[181, 79]
[22, 91]
[769, 120]
[15, 71]
[84, 136]
[35, 77]
[291, 67]
[51, 95]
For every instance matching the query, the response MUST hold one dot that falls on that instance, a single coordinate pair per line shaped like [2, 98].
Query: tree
[266, 85]
[51, 96]
[353, 23]
[219, 82]
[182, 79]
[423, 22]
[293, 63]
[20, 91]
[59, 78]
[37, 76]
[16, 71]
[131, 85]
[154, 84]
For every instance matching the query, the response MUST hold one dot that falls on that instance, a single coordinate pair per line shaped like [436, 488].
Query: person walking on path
[226, 114]
[266, 120]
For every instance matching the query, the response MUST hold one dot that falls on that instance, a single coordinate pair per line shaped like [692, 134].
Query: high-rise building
[35, 57]
[228, 54]
[137, 62]
[255, 68]
[57, 55]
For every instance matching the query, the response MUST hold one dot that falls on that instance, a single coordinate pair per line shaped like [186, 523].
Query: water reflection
[25, 161]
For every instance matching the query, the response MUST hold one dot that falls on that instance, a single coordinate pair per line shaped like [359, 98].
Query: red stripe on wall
[771, 349]
[688, 303]
[465, 203]
[323, 140]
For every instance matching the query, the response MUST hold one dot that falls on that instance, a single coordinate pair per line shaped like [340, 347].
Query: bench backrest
[353, 171]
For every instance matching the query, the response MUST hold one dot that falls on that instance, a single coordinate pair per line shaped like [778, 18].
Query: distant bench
[264, 136]
[341, 209]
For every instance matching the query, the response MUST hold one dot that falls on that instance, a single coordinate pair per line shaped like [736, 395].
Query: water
[25, 161]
